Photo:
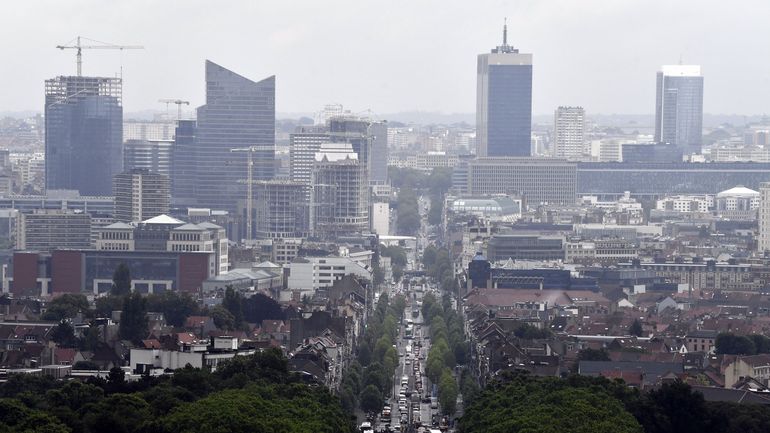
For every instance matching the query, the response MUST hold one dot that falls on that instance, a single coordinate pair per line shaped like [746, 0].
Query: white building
[569, 132]
[739, 198]
[164, 233]
[606, 150]
[381, 218]
[686, 203]
[763, 241]
[308, 274]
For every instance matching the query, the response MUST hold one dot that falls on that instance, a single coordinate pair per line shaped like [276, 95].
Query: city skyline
[434, 50]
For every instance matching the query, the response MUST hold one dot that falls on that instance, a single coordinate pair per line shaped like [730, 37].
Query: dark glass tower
[238, 113]
[679, 107]
[183, 164]
[83, 133]
[504, 102]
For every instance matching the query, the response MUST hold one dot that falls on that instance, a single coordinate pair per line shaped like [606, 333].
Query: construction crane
[178, 103]
[105, 46]
[250, 180]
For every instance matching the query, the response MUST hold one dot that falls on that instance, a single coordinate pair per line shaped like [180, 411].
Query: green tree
[447, 392]
[292, 409]
[66, 306]
[589, 354]
[727, 343]
[673, 407]
[133, 319]
[18, 418]
[64, 334]
[525, 404]
[91, 339]
[176, 307]
[121, 413]
[636, 328]
[223, 319]
[121, 281]
[371, 399]
[364, 353]
[233, 303]
[259, 307]
[105, 305]
[397, 255]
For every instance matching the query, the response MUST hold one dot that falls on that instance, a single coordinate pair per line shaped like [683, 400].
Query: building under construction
[281, 209]
[83, 133]
[340, 198]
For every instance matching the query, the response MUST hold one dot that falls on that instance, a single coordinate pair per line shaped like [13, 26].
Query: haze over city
[395, 56]
[384, 216]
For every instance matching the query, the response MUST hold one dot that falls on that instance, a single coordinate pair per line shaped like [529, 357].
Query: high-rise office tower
[763, 217]
[83, 133]
[140, 195]
[183, 164]
[679, 107]
[378, 169]
[50, 229]
[239, 113]
[353, 130]
[504, 102]
[152, 155]
[303, 145]
[569, 132]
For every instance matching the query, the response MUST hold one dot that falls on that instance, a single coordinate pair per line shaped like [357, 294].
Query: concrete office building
[378, 137]
[308, 274]
[281, 209]
[504, 102]
[87, 271]
[538, 180]
[83, 133]
[153, 130]
[381, 218]
[651, 152]
[152, 155]
[739, 203]
[59, 200]
[679, 107]
[238, 113]
[763, 240]
[654, 180]
[141, 194]
[340, 198]
[164, 233]
[569, 132]
[525, 247]
[303, 145]
[45, 230]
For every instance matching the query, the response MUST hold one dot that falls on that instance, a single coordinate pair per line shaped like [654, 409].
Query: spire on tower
[505, 31]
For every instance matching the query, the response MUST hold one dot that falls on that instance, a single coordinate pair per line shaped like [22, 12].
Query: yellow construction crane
[104, 46]
[178, 103]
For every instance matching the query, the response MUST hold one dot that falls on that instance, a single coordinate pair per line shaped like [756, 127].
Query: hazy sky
[394, 55]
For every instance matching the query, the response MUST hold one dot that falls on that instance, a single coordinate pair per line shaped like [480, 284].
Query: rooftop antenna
[505, 31]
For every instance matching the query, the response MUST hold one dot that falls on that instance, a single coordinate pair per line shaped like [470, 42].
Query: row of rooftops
[167, 221]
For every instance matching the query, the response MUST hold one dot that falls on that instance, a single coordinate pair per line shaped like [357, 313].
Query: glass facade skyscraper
[679, 107]
[238, 113]
[83, 133]
[504, 102]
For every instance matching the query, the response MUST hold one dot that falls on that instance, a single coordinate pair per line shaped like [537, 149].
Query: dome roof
[740, 191]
